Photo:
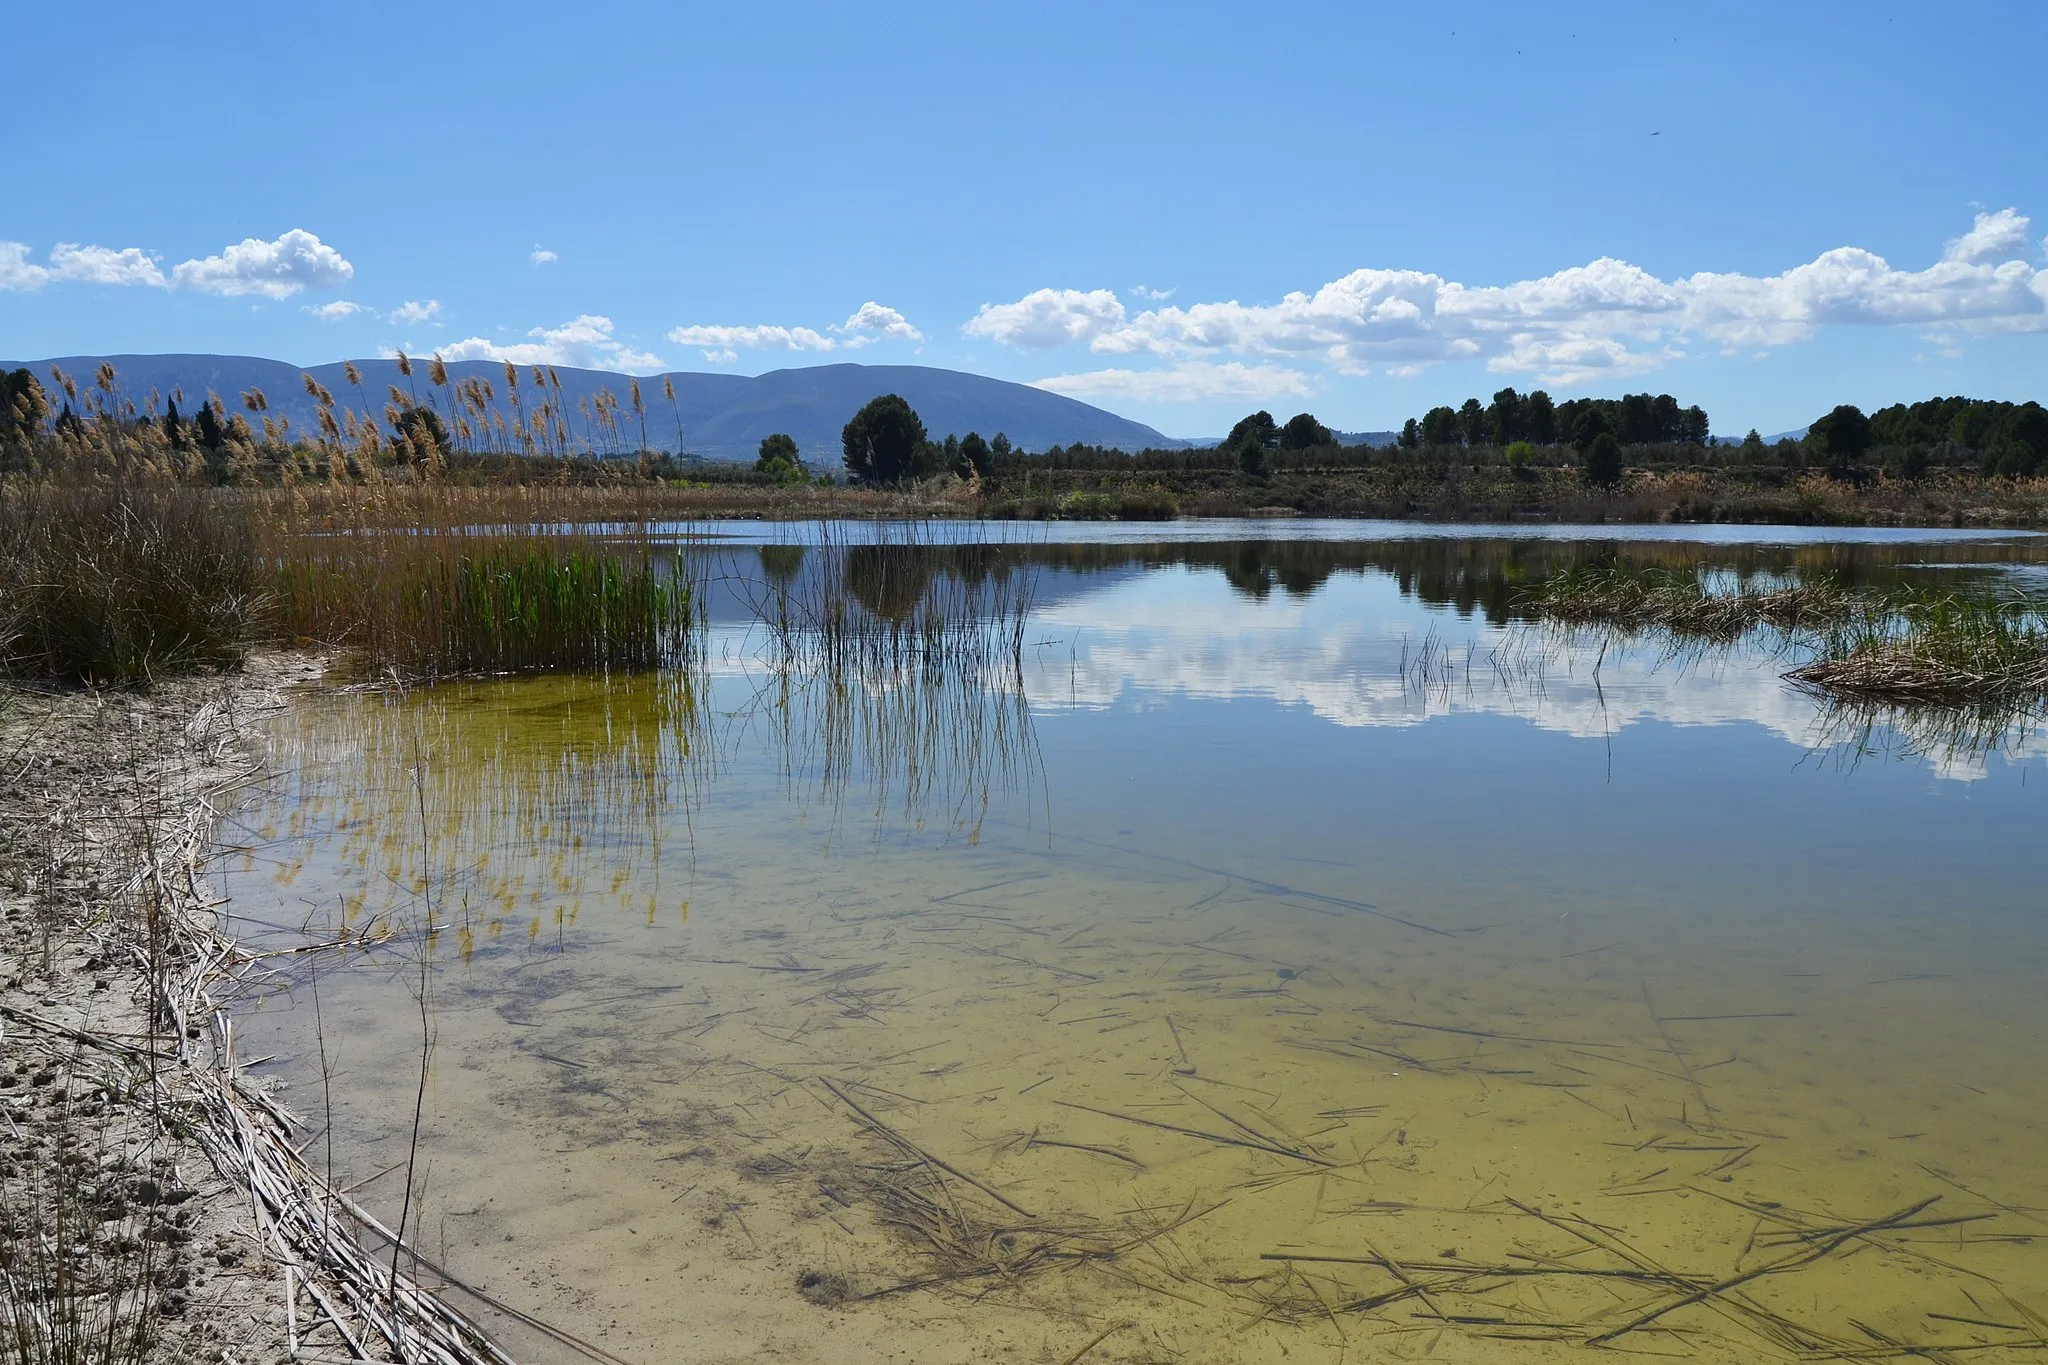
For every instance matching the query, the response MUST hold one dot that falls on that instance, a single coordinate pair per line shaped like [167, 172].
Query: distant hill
[1796, 434]
[723, 416]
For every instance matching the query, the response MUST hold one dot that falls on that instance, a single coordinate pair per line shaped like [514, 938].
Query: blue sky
[1762, 208]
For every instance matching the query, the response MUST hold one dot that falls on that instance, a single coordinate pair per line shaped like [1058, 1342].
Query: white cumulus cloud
[1049, 317]
[763, 338]
[71, 263]
[1188, 382]
[585, 342]
[877, 322]
[104, 265]
[540, 255]
[1606, 318]
[275, 269]
[17, 271]
[414, 311]
[335, 311]
[1996, 236]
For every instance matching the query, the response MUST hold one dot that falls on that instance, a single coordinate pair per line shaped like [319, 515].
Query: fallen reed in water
[1942, 651]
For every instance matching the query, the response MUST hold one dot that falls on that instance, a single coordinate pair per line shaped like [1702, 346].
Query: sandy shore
[108, 1203]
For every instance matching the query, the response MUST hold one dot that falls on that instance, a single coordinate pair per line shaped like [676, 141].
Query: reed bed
[119, 584]
[438, 605]
[115, 584]
[1681, 601]
[632, 502]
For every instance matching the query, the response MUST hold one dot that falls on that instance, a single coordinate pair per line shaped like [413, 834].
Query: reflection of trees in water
[781, 563]
[910, 589]
[1484, 576]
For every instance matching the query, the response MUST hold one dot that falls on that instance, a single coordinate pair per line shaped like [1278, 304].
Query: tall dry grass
[114, 584]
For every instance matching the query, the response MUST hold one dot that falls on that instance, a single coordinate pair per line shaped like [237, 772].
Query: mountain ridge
[722, 416]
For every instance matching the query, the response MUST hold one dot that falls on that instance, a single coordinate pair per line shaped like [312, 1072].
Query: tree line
[886, 442]
[1634, 419]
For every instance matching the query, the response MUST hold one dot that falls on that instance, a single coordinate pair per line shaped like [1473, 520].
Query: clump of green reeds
[1635, 600]
[436, 604]
[1937, 649]
[116, 584]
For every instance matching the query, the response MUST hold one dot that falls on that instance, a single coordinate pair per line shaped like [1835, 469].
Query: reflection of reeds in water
[897, 663]
[534, 798]
[878, 606]
[543, 794]
[935, 743]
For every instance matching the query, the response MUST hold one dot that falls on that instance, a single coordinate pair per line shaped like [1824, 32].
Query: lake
[1290, 952]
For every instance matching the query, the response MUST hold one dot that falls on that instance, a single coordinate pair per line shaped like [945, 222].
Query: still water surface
[1299, 960]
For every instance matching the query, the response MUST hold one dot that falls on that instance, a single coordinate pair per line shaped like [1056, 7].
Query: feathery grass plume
[404, 363]
[437, 371]
[518, 422]
[668, 388]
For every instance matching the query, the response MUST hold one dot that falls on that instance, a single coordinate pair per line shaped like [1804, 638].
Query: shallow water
[1290, 934]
